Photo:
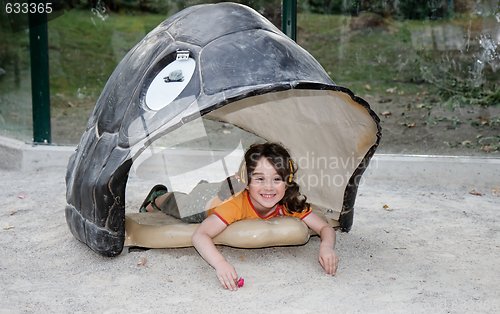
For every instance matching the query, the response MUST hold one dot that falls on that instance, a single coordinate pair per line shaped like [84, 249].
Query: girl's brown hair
[279, 157]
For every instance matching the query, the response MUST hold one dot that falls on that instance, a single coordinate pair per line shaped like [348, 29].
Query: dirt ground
[424, 126]
[412, 249]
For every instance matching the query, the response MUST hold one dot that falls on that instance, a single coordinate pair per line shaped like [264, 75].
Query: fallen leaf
[368, 87]
[495, 191]
[484, 120]
[466, 143]
[386, 113]
[386, 207]
[8, 227]
[142, 261]
[384, 100]
[476, 193]
[411, 125]
[487, 148]
[391, 90]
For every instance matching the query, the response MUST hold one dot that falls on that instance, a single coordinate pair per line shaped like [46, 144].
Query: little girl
[271, 191]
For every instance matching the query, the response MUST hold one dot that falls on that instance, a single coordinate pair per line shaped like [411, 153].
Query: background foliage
[388, 50]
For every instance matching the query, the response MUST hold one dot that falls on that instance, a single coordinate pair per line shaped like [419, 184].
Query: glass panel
[15, 77]
[86, 44]
[172, 161]
[429, 69]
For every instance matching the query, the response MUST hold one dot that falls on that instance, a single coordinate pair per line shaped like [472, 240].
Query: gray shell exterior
[227, 41]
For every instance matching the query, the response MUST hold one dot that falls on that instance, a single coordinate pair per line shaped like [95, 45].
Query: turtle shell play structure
[223, 62]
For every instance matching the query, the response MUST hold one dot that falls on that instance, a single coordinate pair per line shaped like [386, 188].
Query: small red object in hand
[241, 282]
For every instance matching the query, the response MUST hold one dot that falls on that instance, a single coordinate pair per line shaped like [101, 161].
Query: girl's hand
[328, 260]
[327, 256]
[202, 241]
[227, 275]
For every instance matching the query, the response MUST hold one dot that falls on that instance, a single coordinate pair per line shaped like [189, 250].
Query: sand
[430, 249]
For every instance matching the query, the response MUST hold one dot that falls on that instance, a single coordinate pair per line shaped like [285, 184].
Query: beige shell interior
[327, 133]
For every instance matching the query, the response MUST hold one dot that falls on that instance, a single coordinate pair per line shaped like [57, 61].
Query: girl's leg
[159, 200]
[193, 207]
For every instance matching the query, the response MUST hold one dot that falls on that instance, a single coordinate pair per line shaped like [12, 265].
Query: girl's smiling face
[266, 187]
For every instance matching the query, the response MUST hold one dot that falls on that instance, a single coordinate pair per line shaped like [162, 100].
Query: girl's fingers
[335, 265]
[223, 283]
[228, 283]
[325, 264]
[329, 264]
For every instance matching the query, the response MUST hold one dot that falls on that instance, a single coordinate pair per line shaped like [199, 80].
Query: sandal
[155, 192]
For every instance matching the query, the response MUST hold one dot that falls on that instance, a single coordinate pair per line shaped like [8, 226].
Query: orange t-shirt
[240, 207]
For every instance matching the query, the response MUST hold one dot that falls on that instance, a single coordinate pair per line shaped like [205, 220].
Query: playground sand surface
[412, 249]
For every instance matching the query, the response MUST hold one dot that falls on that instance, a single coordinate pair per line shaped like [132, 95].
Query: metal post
[289, 18]
[450, 9]
[39, 55]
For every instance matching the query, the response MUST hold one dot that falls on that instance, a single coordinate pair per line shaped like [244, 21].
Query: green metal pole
[39, 55]
[289, 18]
[451, 8]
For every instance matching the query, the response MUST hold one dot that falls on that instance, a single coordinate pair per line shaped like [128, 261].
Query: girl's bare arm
[202, 241]
[327, 255]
